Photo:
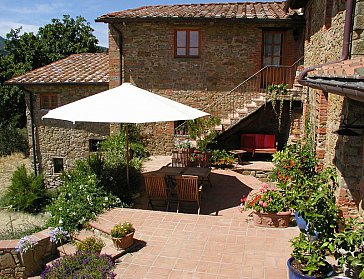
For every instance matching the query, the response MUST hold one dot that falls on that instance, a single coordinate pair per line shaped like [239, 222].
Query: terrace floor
[220, 243]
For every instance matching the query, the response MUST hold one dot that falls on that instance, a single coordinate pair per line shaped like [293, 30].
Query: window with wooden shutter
[272, 42]
[187, 43]
[48, 101]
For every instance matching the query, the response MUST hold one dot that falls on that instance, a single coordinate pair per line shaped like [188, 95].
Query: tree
[29, 51]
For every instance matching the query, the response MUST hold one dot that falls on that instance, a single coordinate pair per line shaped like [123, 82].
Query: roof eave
[140, 19]
[22, 84]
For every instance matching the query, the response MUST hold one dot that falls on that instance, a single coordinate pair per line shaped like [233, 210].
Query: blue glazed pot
[301, 223]
[294, 274]
[303, 226]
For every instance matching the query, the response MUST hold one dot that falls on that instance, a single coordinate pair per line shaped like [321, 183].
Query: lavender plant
[81, 265]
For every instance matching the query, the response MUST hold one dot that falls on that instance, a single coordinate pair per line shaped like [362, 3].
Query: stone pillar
[115, 69]
[321, 125]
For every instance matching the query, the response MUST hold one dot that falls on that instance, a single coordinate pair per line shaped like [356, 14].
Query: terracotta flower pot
[123, 242]
[276, 220]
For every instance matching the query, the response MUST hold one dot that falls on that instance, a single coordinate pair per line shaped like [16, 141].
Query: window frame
[49, 105]
[54, 165]
[272, 56]
[187, 30]
[94, 145]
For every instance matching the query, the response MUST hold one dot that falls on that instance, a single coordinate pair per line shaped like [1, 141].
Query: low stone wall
[16, 265]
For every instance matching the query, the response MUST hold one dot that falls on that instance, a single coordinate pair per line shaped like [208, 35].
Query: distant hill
[2, 45]
[102, 49]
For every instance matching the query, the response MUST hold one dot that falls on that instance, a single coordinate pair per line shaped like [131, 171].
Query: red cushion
[247, 141]
[270, 141]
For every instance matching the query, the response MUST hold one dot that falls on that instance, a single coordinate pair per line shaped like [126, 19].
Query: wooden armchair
[180, 158]
[188, 190]
[156, 188]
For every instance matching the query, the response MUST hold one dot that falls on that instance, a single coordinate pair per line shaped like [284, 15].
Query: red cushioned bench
[258, 143]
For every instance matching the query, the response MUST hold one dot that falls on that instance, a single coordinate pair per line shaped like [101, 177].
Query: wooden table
[171, 171]
[239, 153]
[202, 173]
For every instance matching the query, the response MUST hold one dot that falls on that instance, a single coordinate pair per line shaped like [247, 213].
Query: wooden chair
[188, 190]
[180, 158]
[156, 188]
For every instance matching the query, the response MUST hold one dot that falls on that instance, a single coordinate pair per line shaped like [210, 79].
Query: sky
[31, 14]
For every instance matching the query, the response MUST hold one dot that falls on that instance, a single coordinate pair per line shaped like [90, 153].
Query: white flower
[106, 198]
[60, 221]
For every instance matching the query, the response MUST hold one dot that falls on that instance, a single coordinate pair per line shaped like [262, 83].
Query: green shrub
[81, 197]
[110, 167]
[81, 265]
[91, 244]
[26, 192]
[12, 140]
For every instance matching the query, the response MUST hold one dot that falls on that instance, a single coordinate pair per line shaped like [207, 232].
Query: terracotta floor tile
[208, 267]
[186, 264]
[164, 262]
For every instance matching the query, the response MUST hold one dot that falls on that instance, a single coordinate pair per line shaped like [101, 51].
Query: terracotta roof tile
[76, 68]
[254, 10]
[352, 68]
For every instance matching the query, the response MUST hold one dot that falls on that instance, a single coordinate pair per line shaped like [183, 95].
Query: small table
[239, 153]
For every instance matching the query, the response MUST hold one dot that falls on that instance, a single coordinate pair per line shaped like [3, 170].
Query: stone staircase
[258, 100]
[249, 96]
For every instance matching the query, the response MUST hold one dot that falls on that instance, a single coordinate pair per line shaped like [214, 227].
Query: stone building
[334, 57]
[57, 144]
[197, 54]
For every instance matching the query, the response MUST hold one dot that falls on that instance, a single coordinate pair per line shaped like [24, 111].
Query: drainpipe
[349, 7]
[31, 109]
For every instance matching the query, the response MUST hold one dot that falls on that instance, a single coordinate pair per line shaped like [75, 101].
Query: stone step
[109, 249]
[218, 128]
[225, 121]
[251, 105]
[233, 116]
[242, 110]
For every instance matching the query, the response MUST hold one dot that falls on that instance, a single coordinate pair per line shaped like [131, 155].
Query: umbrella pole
[127, 155]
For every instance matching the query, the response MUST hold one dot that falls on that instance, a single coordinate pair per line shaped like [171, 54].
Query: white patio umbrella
[124, 104]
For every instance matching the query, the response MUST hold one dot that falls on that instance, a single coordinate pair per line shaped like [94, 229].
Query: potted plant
[269, 207]
[123, 235]
[308, 258]
[91, 244]
[222, 159]
[349, 249]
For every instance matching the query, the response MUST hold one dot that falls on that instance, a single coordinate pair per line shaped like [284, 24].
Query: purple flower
[58, 235]
[25, 244]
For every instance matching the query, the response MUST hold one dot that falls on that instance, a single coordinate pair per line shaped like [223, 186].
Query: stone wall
[231, 51]
[16, 265]
[324, 35]
[358, 30]
[62, 139]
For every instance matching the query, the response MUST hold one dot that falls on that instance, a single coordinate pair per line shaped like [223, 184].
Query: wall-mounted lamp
[346, 129]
